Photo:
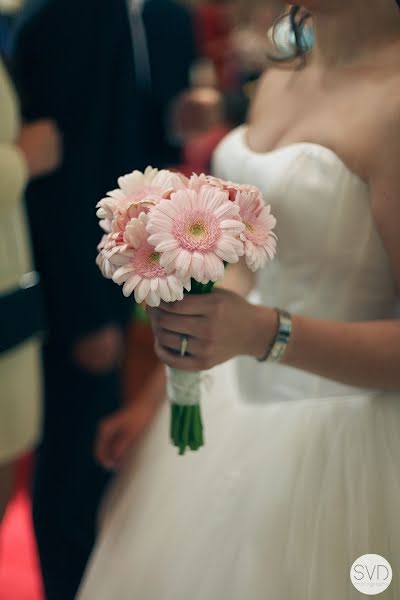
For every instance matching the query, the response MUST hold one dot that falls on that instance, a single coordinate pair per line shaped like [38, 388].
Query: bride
[300, 475]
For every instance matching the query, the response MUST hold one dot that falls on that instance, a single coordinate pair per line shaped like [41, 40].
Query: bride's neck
[349, 32]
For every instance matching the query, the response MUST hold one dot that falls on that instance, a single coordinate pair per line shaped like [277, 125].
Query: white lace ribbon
[184, 387]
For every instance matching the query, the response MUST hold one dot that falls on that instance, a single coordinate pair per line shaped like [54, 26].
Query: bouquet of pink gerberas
[166, 235]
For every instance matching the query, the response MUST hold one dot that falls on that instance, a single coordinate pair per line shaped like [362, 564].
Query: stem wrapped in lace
[184, 392]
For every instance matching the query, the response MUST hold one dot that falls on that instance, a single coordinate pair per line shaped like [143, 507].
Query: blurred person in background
[107, 73]
[8, 10]
[240, 31]
[27, 152]
[249, 38]
[215, 20]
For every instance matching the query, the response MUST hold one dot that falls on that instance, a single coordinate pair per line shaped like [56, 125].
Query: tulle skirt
[278, 505]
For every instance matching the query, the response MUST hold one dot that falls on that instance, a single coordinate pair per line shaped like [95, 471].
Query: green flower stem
[186, 427]
[186, 421]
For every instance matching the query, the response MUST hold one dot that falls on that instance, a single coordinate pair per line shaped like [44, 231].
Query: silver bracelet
[277, 349]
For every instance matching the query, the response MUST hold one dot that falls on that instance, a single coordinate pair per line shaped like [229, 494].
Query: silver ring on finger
[184, 345]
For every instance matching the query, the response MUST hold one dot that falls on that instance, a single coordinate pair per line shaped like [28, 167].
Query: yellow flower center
[249, 227]
[197, 229]
[155, 257]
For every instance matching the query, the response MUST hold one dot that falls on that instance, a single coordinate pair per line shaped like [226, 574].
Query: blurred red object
[140, 360]
[196, 111]
[214, 28]
[198, 152]
[19, 566]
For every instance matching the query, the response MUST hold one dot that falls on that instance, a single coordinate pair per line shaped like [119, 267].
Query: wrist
[264, 327]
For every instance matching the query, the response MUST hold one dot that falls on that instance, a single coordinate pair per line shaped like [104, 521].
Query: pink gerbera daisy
[137, 193]
[195, 232]
[258, 236]
[113, 244]
[196, 182]
[142, 272]
[138, 190]
[112, 254]
[232, 188]
[101, 261]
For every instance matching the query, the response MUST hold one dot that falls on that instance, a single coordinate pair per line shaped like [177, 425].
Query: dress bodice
[330, 262]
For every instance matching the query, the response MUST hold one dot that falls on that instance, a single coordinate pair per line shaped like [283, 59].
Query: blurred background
[90, 90]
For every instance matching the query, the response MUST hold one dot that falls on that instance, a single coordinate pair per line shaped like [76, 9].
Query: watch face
[282, 337]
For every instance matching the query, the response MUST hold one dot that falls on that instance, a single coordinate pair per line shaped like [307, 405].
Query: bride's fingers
[192, 304]
[172, 341]
[175, 361]
[180, 324]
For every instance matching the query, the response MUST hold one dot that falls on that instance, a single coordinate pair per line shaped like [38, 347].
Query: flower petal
[226, 210]
[228, 251]
[167, 259]
[197, 266]
[232, 224]
[123, 273]
[130, 284]
[182, 262]
[214, 267]
[165, 246]
[165, 292]
[153, 299]
[175, 285]
[142, 290]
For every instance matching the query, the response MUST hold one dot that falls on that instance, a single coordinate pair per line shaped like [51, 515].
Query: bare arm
[36, 152]
[359, 354]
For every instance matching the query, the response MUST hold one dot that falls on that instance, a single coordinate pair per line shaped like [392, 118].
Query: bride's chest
[322, 208]
[348, 120]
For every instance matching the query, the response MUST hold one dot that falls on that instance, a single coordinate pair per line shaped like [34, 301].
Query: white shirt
[139, 43]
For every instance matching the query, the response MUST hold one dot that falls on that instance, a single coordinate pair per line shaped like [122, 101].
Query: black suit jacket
[74, 63]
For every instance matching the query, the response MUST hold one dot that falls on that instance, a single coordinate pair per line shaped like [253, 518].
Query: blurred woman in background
[25, 153]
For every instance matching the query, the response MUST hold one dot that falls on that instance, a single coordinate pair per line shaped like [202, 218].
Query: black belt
[21, 312]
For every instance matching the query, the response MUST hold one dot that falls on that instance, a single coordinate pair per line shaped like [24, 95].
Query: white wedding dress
[300, 475]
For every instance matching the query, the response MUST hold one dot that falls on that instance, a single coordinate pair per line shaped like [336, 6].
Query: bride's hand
[218, 326]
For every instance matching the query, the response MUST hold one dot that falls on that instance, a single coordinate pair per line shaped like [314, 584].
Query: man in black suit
[88, 65]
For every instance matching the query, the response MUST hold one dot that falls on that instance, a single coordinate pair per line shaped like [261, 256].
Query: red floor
[19, 569]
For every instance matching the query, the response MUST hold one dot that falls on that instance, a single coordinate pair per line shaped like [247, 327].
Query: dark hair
[298, 18]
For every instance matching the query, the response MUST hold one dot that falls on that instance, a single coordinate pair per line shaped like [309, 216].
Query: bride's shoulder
[386, 79]
[380, 107]
[387, 120]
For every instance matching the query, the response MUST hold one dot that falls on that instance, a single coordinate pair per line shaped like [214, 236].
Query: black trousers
[69, 484]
